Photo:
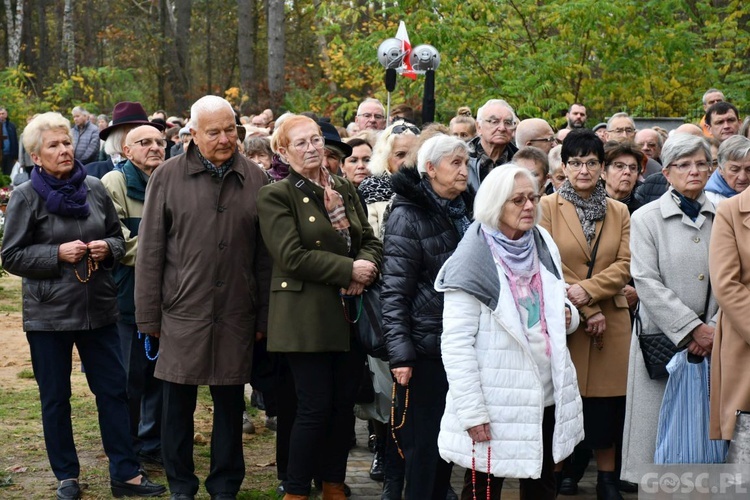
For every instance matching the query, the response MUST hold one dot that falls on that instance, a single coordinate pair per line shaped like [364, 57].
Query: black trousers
[144, 391]
[227, 461]
[286, 410]
[543, 488]
[326, 385]
[427, 475]
[52, 359]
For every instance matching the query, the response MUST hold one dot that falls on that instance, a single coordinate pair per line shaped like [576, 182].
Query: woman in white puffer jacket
[513, 408]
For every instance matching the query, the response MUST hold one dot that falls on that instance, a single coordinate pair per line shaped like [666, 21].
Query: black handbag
[657, 348]
[369, 328]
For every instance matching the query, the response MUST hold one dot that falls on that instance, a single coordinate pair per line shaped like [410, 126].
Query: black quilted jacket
[419, 238]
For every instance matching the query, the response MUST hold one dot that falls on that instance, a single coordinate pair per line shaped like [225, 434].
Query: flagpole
[388, 108]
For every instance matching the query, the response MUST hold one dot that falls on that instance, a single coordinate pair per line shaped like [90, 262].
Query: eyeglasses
[626, 130]
[147, 143]
[400, 129]
[578, 165]
[686, 166]
[303, 145]
[521, 200]
[551, 140]
[495, 122]
[369, 116]
[618, 165]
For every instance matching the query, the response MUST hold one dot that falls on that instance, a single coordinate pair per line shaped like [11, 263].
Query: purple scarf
[65, 197]
[279, 170]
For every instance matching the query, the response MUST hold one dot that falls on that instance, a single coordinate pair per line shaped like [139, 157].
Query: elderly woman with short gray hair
[513, 407]
[62, 237]
[670, 246]
[431, 212]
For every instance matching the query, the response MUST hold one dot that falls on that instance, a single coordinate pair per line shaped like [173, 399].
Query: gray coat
[202, 274]
[669, 264]
[53, 297]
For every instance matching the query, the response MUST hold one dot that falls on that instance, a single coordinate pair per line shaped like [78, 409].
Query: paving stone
[364, 488]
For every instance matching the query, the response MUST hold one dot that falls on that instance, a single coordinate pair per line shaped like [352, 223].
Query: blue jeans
[99, 349]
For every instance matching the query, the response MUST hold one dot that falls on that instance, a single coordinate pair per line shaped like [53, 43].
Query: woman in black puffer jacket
[429, 216]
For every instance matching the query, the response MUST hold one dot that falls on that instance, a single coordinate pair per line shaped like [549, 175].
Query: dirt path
[14, 354]
[23, 460]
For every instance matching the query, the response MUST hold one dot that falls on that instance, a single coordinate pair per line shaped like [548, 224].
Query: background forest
[646, 57]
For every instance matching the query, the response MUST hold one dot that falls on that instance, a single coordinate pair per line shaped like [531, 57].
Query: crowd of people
[516, 272]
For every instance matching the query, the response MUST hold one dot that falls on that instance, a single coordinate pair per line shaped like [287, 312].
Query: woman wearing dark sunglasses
[388, 156]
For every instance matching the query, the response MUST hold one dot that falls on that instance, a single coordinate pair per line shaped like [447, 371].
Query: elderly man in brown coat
[201, 287]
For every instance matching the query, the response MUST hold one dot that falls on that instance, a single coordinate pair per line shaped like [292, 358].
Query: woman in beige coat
[581, 218]
[730, 276]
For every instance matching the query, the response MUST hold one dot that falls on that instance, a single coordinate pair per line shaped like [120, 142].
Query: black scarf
[691, 208]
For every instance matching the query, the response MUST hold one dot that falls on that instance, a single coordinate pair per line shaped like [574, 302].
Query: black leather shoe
[392, 489]
[607, 486]
[569, 486]
[145, 489]
[377, 469]
[69, 489]
[450, 494]
[372, 443]
[223, 496]
[181, 496]
[628, 487]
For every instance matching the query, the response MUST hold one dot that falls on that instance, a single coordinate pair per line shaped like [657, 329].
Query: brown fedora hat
[128, 113]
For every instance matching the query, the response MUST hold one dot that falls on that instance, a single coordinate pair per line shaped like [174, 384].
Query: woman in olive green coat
[324, 253]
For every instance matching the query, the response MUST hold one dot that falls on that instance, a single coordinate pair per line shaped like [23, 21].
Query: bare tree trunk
[42, 66]
[325, 61]
[180, 61]
[68, 37]
[161, 74]
[209, 75]
[276, 49]
[247, 27]
[14, 26]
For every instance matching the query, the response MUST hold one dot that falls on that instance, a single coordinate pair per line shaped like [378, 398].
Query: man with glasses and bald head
[536, 132]
[493, 146]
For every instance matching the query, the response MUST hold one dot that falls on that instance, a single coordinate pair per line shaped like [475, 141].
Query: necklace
[91, 266]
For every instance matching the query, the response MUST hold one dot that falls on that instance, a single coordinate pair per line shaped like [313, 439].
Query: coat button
[222, 245]
[219, 283]
[305, 200]
[317, 243]
[701, 277]
[220, 209]
[284, 284]
[312, 218]
[697, 239]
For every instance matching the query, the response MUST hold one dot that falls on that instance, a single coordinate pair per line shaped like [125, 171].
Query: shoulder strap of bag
[595, 249]
[302, 186]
